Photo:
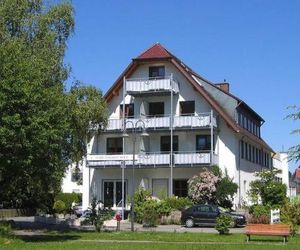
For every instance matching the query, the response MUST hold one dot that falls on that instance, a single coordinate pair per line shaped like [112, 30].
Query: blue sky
[253, 44]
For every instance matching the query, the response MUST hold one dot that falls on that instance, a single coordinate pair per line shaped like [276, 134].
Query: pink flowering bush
[203, 187]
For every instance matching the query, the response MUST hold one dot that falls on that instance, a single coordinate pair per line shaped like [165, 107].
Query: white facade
[280, 162]
[70, 182]
[201, 137]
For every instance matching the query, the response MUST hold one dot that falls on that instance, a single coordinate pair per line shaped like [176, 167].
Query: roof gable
[157, 51]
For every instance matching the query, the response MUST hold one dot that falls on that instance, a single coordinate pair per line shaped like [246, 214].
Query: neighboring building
[209, 125]
[292, 189]
[280, 162]
[72, 182]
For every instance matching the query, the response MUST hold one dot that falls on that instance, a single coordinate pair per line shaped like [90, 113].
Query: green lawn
[139, 240]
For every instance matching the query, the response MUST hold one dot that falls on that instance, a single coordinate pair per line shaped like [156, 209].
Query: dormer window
[157, 72]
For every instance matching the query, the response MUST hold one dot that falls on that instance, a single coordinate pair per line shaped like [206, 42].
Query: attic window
[129, 110]
[157, 72]
[187, 107]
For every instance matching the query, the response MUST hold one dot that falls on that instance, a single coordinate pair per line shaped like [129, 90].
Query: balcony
[145, 86]
[157, 159]
[194, 121]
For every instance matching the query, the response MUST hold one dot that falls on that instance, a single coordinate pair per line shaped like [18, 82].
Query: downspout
[240, 171]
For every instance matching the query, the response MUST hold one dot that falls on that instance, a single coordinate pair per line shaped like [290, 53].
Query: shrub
[259, 210]
[290, 214]
[6, 229]
[262, 219]
[163, 208]
[223, 223]
[68, 199]
[212, 187]
[226, 189]
[59, 206]
[150, 213]
[259, 214]
[178, 203]
[140, 197]
[97, 216]
[202, 187]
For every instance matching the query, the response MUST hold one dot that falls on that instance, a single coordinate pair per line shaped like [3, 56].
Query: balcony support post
[211, 137]
[171, 139]
[123, 144]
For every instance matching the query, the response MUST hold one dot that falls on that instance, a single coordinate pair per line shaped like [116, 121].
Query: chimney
[224, 86]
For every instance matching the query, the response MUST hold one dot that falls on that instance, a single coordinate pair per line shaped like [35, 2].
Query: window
[242, 150]
[246, 150]
[157, 72]
[180, 188]
[129, 110]
[156, 109]
[203, 209]
[114, 145]
[165, 143]
[187, 107]
[76, 176]
[160, 187]
[245, 122]
[203, 142]
[240, 119]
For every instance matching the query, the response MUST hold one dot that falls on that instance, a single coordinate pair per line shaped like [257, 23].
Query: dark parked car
[206, 215]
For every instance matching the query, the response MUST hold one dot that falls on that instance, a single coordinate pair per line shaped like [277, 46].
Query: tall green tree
[267, 190]
[294, 151]
[38, 118]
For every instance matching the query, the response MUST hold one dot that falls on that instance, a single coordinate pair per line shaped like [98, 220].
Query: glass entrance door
[108, 193]
[113, 193]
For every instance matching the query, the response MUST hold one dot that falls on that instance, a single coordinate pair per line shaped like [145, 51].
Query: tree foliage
[212, 186]
[294, 152]
[202, 187]
[39, 128]
[267, 190]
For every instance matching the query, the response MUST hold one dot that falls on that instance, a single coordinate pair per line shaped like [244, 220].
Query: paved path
[28, 223]
[126, 226]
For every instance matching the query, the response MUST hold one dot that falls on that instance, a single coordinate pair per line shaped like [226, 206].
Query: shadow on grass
[48, 238]
[267, 239]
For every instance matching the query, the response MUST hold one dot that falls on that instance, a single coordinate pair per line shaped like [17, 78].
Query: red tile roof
[156, 51]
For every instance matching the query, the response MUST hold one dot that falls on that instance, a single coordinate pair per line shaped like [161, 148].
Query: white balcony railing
[143, 85]
[192, 158]
[187, 121]
[150, 159]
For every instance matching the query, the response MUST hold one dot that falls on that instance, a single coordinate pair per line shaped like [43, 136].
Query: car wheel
[189, 223]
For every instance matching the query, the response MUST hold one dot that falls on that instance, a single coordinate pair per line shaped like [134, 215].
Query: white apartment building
[178, 123]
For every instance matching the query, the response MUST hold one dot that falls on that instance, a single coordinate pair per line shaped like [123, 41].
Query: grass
[144, 240]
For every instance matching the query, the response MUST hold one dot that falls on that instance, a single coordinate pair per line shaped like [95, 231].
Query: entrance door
[113, 193]
[108, 194]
